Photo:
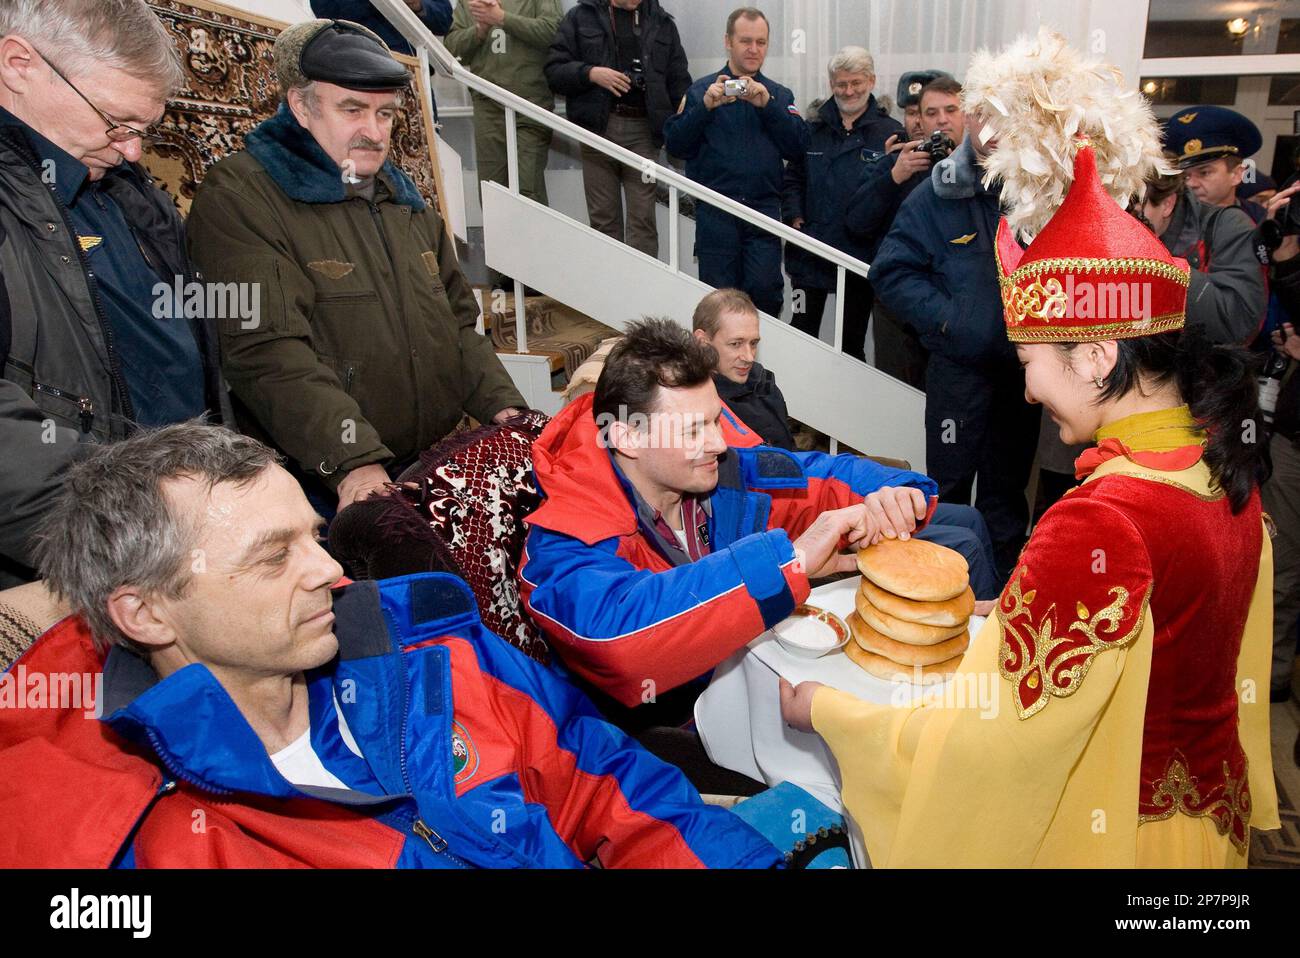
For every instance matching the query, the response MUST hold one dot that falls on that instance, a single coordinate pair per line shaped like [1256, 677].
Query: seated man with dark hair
[255, 715]
[659, 550]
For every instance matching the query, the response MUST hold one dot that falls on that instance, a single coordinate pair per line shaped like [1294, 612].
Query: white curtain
[903, 35]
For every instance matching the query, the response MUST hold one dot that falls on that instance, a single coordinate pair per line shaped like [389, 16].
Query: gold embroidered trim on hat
[1139, 267]
[1051, 665]
[1038, 300]
[1178, 791]
[1129, 329]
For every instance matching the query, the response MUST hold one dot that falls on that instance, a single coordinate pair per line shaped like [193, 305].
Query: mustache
[365, 143]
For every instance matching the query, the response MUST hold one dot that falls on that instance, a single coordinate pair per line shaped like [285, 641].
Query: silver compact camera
[737, 87]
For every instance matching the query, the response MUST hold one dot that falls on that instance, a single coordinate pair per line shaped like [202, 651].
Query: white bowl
[810, 632]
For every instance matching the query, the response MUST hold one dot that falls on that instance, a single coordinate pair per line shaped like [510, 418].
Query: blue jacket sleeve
[684, 130]
[620, 803]
[621, 627]
[785, 126]
[835, 482]
[875, 202]
[903, 274]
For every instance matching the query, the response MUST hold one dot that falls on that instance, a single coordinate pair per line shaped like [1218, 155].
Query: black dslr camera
[939, 146]
[636, 76]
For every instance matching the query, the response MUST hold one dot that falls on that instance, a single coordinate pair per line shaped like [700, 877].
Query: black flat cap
[339, 52]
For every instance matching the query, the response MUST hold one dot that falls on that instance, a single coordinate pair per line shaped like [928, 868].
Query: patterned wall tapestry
[230, 87]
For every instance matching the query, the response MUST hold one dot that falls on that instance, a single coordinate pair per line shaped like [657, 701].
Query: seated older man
[92, 343]
[365, 352]
[253, 715]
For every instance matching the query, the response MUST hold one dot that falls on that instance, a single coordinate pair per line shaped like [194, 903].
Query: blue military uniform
[936, 272]
[739, 150]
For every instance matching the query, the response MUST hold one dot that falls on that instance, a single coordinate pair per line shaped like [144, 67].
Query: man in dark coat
[366, 352]
[622, 69]
[931, 102]
[93, 271]
[936, 272]
[848, 134]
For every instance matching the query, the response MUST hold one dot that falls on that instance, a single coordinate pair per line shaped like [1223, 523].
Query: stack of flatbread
[913, 606]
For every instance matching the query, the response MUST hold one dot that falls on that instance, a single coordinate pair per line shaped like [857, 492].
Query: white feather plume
[1038, 95]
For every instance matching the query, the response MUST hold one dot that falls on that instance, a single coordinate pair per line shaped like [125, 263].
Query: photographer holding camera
[621, 66]
[736, 128]
[929, 99]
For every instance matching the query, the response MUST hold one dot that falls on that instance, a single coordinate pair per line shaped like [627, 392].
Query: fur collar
[305, 172]
[958, 177]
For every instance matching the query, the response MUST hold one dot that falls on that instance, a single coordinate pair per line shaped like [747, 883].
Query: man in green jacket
[364, 350]
[507, 42]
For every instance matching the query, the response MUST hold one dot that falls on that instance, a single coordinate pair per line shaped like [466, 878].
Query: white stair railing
[431, 51]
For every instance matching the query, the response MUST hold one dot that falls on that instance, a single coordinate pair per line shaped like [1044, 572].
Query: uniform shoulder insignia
[1080, 588]
[963, 240]
[89, 242]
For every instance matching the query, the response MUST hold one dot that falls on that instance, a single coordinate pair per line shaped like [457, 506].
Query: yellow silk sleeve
[1253, 665]
[962, 780]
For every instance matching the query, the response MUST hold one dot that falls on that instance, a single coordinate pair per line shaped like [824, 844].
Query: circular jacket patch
[464, 756]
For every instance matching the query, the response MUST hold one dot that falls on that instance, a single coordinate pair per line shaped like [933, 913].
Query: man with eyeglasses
[90, 350]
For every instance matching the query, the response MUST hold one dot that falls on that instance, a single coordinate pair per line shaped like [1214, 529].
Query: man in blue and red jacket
[254, 716]
[662, 547]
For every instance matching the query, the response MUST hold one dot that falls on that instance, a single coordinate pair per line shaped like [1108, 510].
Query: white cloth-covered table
[739, 715]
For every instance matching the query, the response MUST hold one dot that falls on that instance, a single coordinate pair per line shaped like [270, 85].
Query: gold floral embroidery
[1038, 301]
[1179, 791]
[1040, 664]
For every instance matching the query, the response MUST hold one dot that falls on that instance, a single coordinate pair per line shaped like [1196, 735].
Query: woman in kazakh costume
[1130, 650]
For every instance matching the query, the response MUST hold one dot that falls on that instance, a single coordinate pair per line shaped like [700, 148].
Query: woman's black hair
[1219, 385]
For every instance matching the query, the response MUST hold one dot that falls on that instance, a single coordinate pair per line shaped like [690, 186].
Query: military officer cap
[339, 52]
[911, 84]
[1202, 133]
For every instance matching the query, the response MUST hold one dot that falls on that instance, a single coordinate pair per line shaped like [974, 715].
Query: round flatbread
[915, 569]
[950, 612]
[875, 642]
[882, 668]
[913, 633]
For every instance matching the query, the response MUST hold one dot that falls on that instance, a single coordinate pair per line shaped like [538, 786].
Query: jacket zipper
[167, 786]
[85, 406]
[114, 366]
[418, 825]
[383, 236]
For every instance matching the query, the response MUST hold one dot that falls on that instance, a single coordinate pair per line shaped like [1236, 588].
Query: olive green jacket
[514, 60]
[364, 349]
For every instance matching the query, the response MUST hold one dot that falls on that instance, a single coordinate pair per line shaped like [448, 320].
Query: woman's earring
[1099, 382]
